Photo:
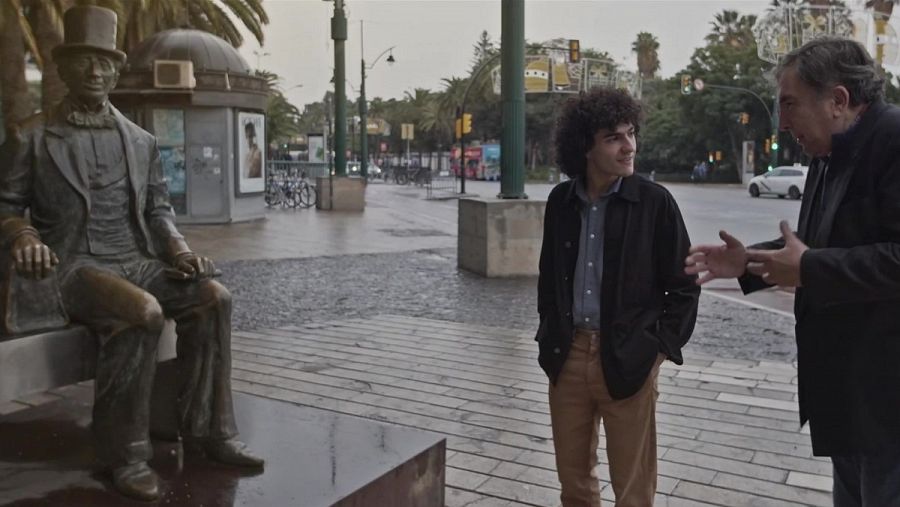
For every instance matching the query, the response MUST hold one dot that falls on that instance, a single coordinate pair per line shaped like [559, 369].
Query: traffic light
[686, 85]
[466, 123]
[574, 51]
[458, 128]
[774, 142]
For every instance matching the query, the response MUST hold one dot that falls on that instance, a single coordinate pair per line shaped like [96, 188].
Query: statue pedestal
[349, 194]
[500, 237]
[313, 458]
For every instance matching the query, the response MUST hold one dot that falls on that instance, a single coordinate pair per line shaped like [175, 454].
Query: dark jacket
[649, 304]
[848, 308]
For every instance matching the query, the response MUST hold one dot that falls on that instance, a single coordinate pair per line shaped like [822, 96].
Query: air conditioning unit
[173, 74]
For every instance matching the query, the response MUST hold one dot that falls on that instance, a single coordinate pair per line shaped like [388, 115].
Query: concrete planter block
[349, 194]
[500, 237]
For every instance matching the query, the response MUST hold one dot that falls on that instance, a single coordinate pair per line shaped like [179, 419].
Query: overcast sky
[434, 38]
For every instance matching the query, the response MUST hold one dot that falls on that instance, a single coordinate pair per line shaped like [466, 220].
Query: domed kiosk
[200, 99]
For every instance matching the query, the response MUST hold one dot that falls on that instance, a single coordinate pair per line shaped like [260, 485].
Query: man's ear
[840, 96]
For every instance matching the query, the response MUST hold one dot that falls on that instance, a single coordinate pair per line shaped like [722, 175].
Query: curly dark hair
[582, 117]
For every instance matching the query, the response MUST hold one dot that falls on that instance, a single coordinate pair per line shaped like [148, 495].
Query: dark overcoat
[848, 308]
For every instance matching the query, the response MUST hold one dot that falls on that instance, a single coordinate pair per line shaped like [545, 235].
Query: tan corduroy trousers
[579, 401]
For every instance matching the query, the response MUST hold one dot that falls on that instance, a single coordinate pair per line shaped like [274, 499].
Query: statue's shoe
[232, 452]
[137, 481]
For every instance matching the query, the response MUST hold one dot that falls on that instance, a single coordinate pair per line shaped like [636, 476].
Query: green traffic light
[774, 146]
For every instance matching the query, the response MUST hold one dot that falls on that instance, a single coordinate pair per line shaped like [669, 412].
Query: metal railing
[442, 185]
[293, 167]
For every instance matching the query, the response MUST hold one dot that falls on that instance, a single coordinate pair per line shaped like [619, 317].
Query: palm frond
[247, 17]
[18, 16]
[219, 22]
[258, 9]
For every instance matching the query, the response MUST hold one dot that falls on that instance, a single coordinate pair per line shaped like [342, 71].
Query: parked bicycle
[306, 192]
[289, 189]
[421, 176]
[397, 174]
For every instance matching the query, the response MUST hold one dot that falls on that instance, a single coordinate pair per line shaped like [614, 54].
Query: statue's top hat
[89, 28]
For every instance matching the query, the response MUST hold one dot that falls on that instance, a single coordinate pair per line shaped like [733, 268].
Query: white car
[786, 180]
[372, 170]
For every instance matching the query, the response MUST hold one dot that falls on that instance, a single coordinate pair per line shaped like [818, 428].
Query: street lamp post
[258, 56]
[363, 107]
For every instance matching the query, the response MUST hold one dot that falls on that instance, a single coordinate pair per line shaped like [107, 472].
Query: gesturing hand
[779, 267]
[717, 261]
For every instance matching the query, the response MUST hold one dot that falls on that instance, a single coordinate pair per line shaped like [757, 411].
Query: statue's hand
[33, 258]
[190, 266]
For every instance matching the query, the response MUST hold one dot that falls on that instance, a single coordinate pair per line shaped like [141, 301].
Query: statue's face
[90, 75]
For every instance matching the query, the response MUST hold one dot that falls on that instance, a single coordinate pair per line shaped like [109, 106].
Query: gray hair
[832, 61]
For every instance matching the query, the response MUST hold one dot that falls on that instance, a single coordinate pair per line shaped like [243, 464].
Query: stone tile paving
[480, 387]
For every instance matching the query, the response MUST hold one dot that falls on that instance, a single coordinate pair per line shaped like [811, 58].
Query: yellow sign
[537, 75]
[406, 131]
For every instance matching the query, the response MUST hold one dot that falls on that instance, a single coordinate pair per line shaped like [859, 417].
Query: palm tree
[45, 18]
[141, 18]
[418, 100]
[16, 38]
[282, 117]
[646, 46]
[452, 95]
[435, 120]
[732, 29]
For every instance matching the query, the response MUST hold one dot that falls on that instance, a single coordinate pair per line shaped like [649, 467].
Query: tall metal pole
[512, 82]
[363, 109]
[462, 144]
[328, 148]
[339, 35]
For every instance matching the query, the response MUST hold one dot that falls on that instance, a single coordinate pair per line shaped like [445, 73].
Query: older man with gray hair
[844, 261]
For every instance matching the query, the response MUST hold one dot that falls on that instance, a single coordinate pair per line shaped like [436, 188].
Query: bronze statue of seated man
[100, 216]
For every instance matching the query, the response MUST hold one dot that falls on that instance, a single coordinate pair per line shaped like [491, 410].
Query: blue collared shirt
[589, 268]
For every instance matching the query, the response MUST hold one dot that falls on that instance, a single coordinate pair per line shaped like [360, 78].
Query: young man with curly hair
[613, 299]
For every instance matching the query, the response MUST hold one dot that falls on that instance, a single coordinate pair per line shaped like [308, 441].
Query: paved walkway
[728, 431]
